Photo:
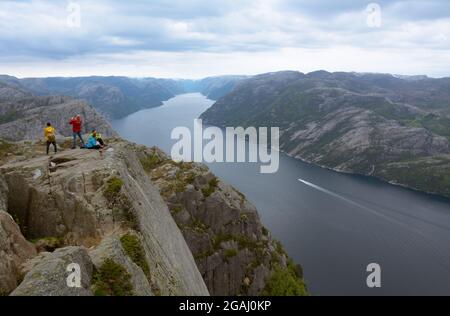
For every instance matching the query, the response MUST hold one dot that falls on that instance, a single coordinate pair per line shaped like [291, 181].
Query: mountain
[135, 222]
[23, 117]
[117, 97]
[10, 89]
[372, 124]
[114, 97]
[216, 87]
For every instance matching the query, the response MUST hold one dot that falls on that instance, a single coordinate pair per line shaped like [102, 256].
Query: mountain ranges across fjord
[395, 128]
[117, 97]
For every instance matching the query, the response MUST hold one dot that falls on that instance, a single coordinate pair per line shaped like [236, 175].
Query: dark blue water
[334, 224]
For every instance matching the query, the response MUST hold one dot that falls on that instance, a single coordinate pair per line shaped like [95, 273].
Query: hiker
[98, 137]
[50, 137]
[76, 123]
[93, 143]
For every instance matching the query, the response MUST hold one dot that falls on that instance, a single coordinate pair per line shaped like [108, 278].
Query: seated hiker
[93, 143]
[98, 137]
[76, 123]
[50, 137]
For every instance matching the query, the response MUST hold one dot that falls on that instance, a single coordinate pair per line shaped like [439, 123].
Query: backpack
[51, 137]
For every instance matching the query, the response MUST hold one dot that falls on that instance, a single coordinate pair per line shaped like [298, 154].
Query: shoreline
[394, 184]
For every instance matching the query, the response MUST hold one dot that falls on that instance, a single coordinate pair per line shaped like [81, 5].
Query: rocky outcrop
[82, 197]
[50, 274]
[25, 118]
[136, 223]
[234, 252]
[112, 249]
[14, 251]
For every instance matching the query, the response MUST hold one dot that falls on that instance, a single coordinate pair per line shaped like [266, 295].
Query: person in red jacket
[77, 123]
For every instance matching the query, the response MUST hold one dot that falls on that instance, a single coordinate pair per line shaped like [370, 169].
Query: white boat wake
[439, 252]
[378, 213]
[390, 218]
[312, 185]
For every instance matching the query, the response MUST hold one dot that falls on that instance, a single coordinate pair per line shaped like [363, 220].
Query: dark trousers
[75, 134]
[54, 146]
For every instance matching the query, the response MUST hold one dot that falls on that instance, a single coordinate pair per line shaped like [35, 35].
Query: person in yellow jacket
[50, 137]
[98, 137]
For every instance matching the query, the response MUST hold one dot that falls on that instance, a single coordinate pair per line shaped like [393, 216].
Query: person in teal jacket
[93, 143]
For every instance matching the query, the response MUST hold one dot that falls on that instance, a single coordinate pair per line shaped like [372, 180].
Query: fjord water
[334, 224]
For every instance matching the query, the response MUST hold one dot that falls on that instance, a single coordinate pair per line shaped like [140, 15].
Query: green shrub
[230, 253]
[176, 210]
[132, 246]
[151, 162]
[210, 188]
[285, 282]
[111, 279]
[113, 188]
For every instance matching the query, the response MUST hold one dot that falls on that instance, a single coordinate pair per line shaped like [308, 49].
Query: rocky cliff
[372, 124]
[135, 222]
[234, 252]
[102, 212]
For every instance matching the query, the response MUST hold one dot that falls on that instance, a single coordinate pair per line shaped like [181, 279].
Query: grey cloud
[35, 28]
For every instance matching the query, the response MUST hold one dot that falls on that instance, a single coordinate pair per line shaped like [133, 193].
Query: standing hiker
[50, 137]
[76, 123]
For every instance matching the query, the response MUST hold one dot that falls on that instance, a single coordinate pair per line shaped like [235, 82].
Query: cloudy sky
[197, 38]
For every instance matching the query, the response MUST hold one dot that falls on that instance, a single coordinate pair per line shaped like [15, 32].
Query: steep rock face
[81, 197]
[372, 124]
[234, 252]
[25, 118]
[14, 251]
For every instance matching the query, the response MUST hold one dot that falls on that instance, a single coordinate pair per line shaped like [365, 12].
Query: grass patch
[113, 188]
[210, 188]
[176, 210]
[132, 246]
[111, 279]
[6, 148]
[230, 253]
[199, 227]
[119, 203]
[151, 162]
[176, 186]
